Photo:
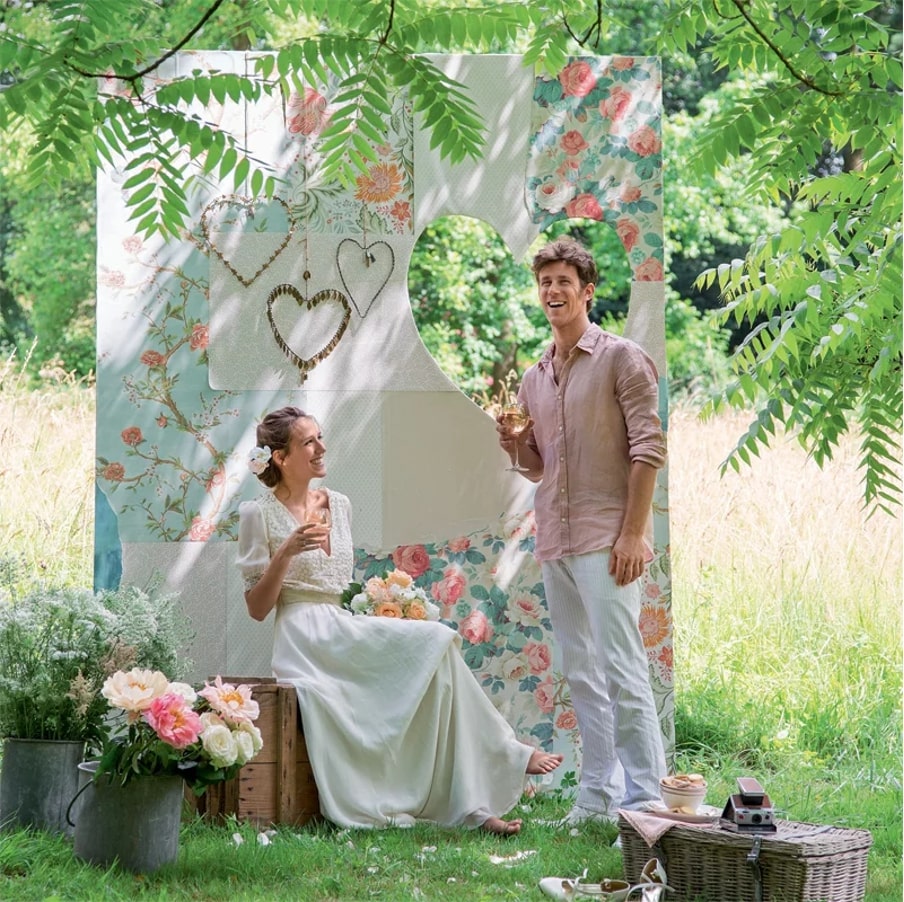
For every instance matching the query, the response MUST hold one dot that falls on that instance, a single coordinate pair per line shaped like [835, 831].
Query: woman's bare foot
[543, 763]
[500, 827]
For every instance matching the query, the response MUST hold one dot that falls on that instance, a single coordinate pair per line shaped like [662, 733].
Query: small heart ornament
[248, 207]
[371, 265]
[329, 296]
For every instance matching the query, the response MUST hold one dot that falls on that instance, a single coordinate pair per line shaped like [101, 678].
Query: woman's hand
[308, 537]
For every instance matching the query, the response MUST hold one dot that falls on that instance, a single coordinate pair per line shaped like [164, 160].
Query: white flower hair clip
[259, 459]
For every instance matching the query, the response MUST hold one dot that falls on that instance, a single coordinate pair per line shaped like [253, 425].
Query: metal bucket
[136, 825]
[38, 779]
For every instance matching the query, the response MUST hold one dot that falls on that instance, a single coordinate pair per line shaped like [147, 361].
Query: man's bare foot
[500, 827]
[543, 763]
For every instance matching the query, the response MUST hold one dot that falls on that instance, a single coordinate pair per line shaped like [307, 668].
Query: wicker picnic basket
[798, 863]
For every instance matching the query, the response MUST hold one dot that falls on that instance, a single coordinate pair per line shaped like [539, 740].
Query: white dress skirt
[397, 728]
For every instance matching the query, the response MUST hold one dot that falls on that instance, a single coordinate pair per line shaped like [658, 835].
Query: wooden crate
[277, 786]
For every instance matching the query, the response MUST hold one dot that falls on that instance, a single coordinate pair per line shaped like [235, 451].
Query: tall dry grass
[47, 477]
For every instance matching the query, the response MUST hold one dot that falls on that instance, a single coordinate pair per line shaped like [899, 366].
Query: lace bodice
[265, 523]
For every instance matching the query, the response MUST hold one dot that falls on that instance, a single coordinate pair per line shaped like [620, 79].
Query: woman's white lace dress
[396, 725]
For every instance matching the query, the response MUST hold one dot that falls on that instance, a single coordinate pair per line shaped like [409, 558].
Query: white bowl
[679, 793]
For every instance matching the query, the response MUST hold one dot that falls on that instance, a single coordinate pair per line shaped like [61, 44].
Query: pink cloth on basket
[652, 826]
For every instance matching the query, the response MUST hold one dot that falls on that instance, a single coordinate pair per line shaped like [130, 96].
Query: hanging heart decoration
[333, 334]
[377, 258]
[249, 207]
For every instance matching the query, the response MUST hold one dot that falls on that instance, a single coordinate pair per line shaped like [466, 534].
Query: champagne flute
[515, 418]
[319, 516]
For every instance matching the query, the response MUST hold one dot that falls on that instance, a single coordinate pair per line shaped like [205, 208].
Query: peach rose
[388, 609]
[413, 559]
[416, 611]
[649, 271]
[627, 232]
[476, 628]
[621, 63]
[584, 206]
[399, 578]
[644, 141]
[577, 79]
[573, 142]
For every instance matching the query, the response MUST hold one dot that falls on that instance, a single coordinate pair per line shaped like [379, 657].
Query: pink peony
[114, 472]
[152, 358]
[173, 720]
[233, 703]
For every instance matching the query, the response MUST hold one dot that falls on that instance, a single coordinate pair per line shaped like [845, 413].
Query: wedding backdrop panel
[303, 300]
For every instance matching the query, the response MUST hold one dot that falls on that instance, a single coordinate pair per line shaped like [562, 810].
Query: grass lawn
[787, 611]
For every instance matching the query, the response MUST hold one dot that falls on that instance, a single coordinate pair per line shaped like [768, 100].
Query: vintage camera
[750, 809]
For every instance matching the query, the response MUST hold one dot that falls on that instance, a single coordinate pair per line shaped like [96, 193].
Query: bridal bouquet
[392, 595]
[164, 728]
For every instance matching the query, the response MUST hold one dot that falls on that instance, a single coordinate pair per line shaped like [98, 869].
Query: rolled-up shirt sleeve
[638, 396]
[254, 547]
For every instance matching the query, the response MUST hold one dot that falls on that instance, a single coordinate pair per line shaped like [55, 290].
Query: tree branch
[739, 5]
[150, 68]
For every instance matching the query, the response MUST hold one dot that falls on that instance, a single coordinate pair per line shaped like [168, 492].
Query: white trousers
[596, 626]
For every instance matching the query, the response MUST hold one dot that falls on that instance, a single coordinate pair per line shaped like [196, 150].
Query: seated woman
[396, 726]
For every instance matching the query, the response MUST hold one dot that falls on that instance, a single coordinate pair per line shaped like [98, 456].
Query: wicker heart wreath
[248, 205]
[329, 295]
[377, 253]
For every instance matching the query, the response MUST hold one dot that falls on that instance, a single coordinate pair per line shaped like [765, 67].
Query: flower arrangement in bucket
[161, 734]
[391, 595]
[168, 729]
[57, 646]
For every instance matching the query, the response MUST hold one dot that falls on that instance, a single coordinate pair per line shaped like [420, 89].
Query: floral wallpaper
[506, 632]
[596, 152]
[171, 450]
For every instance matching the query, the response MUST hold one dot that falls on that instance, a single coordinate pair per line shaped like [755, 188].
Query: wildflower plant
[58, 645]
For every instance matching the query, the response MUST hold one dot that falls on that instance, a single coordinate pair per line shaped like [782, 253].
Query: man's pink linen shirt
[588, 428]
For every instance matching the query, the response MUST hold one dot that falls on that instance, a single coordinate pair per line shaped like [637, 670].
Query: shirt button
[560, 428]
[561, 459]
[562, 491]
[563, 519]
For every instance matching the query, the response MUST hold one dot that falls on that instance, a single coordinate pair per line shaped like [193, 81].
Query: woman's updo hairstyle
[275, 430]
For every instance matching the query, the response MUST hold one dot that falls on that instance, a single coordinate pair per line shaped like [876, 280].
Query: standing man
[594, 444]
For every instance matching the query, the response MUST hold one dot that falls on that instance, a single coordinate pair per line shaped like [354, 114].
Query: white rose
[257, 741]
[183, 689]
[220, 746]
[244, 746]
[359, 603]
[552, 195]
